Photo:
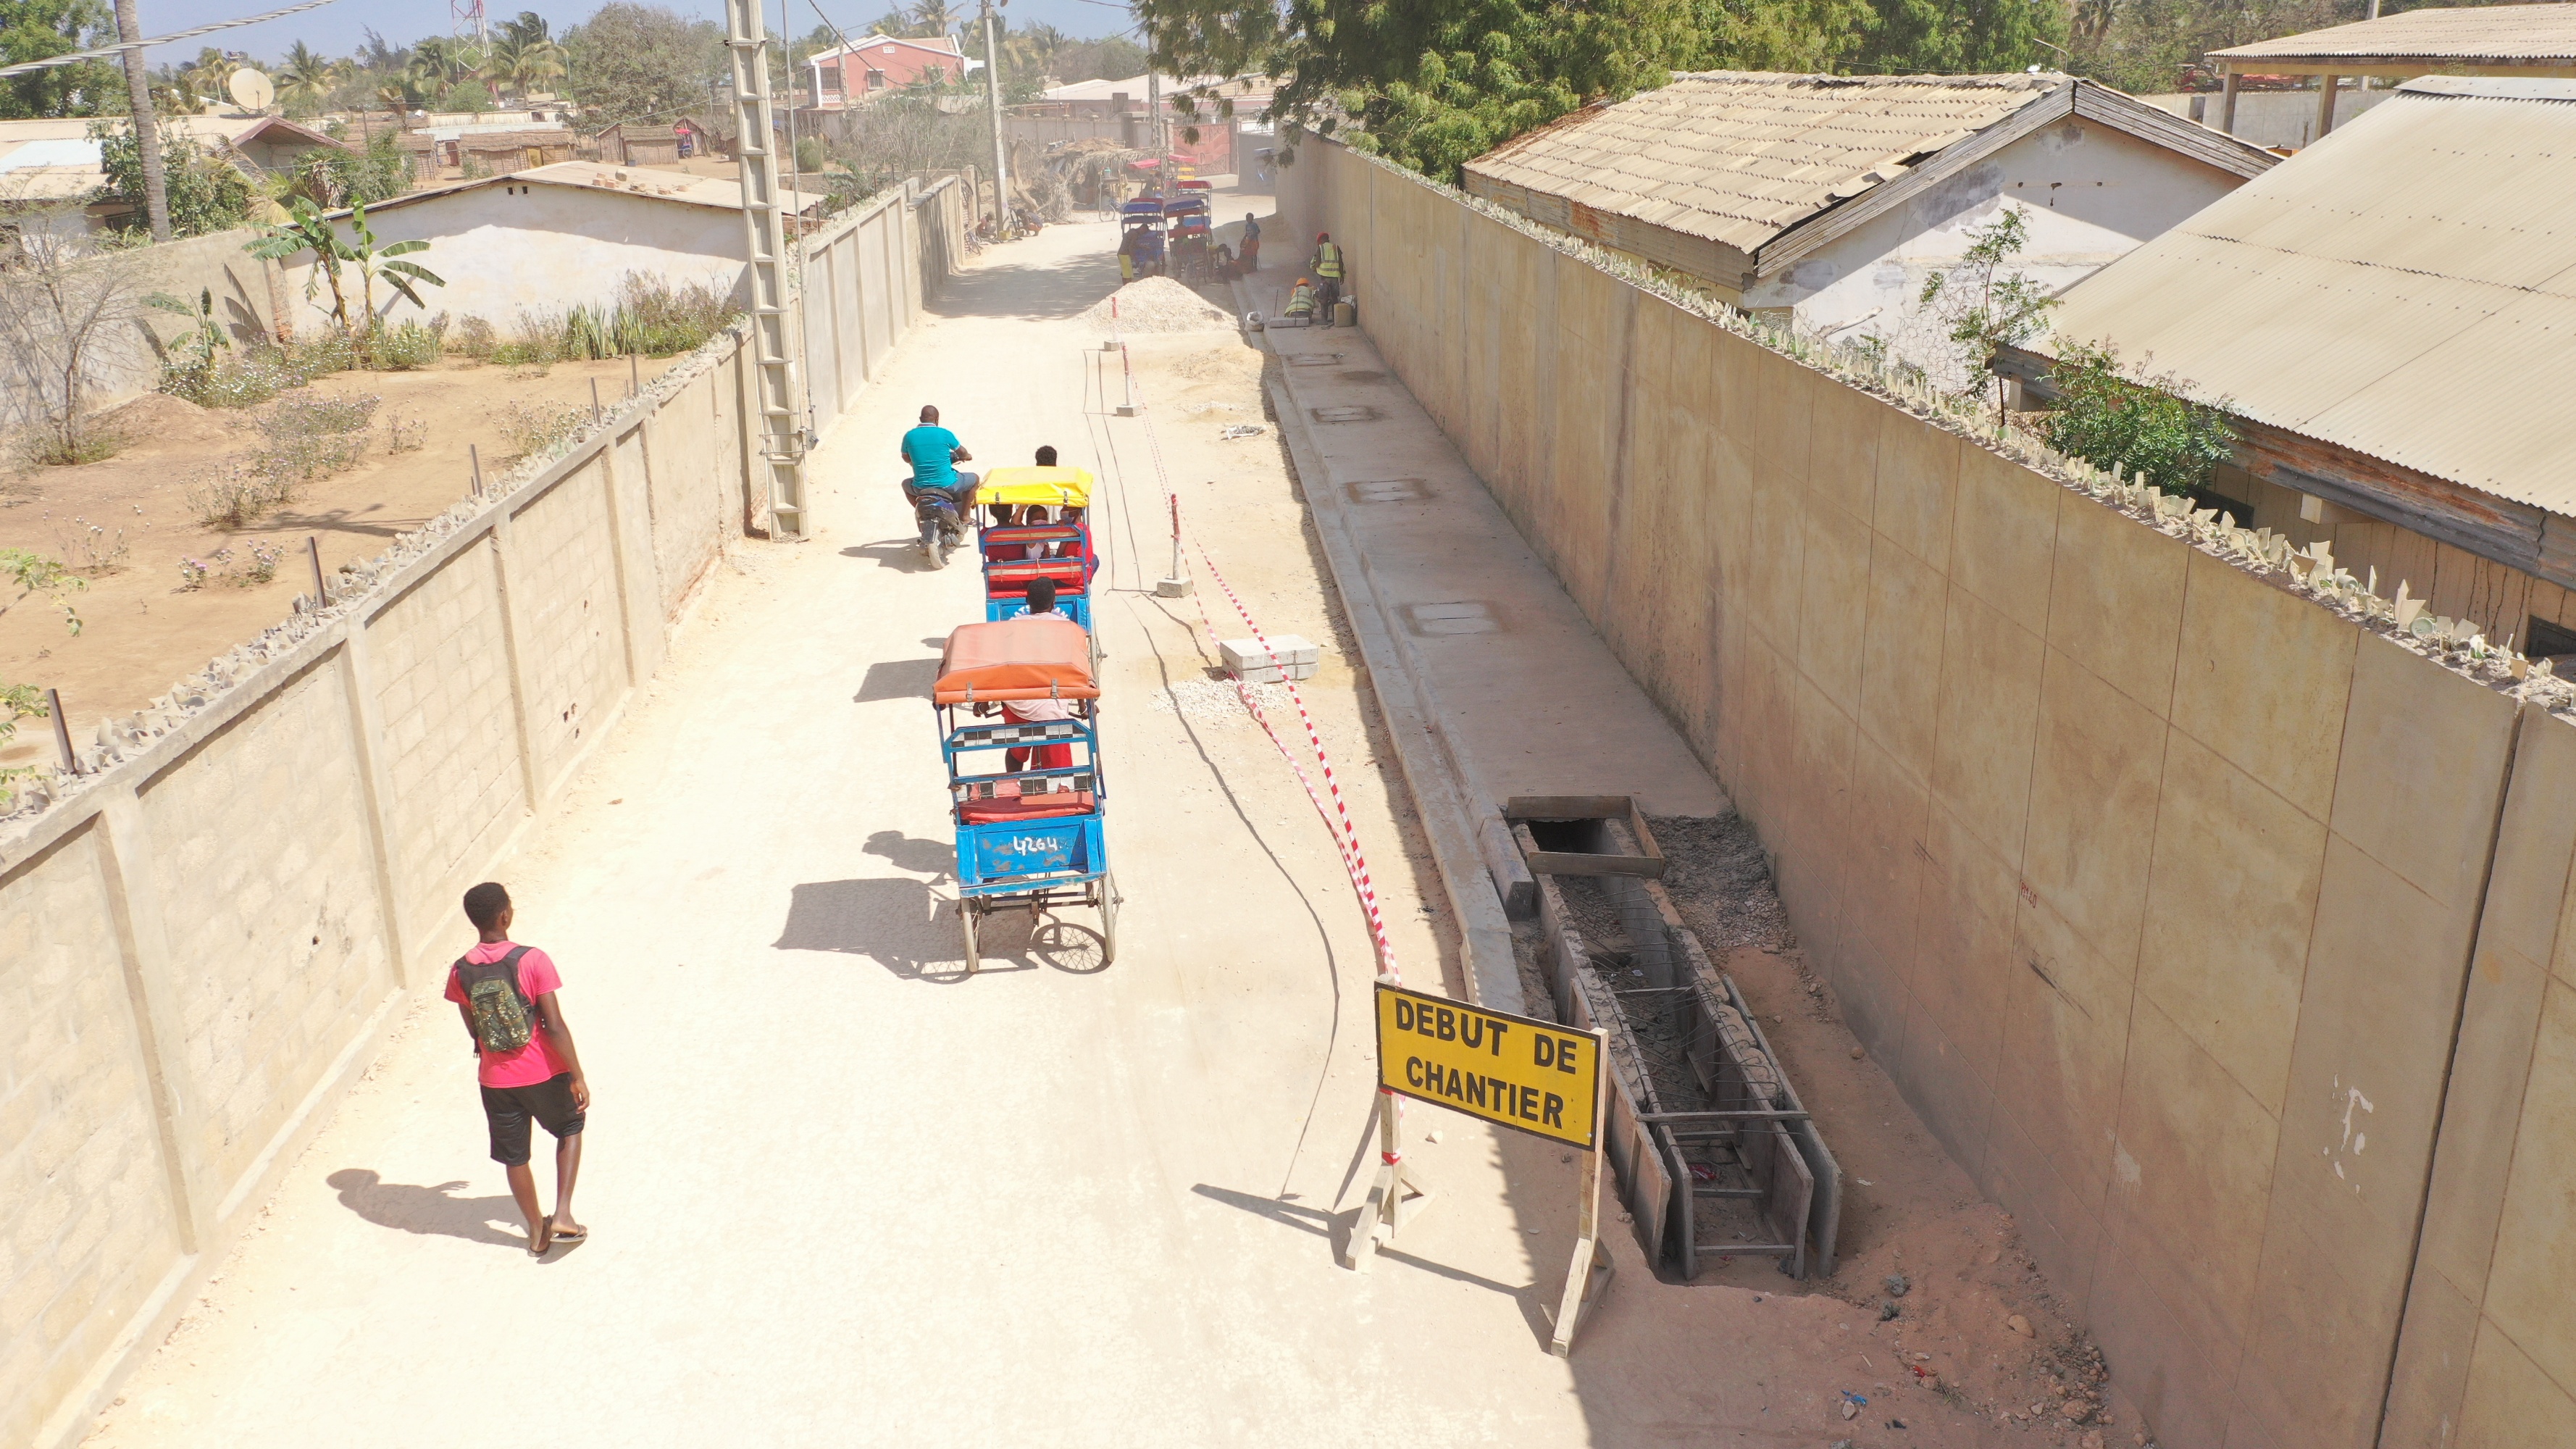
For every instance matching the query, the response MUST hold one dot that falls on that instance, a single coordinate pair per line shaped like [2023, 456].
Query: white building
[564, 235]
[1831, 198]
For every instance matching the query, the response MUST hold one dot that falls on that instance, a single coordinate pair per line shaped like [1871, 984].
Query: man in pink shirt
[526, 1062]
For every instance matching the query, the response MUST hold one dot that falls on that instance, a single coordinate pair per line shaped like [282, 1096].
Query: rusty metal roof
[1739, 157]
[2405, 288]
[2539, 35]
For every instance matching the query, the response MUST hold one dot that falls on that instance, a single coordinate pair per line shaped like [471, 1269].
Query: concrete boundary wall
[2154, 882]
[203, 940]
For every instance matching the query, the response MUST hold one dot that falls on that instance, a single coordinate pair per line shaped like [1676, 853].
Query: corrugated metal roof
[2467, 35]
[1739, 157]
[2405, 288]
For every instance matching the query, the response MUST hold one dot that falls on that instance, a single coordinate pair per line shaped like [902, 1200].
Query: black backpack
[505, 1020]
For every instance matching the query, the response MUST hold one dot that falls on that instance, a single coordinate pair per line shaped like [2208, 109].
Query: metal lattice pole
[782, 441]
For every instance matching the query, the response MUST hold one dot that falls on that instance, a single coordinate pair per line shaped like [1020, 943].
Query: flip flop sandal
[570, 1235]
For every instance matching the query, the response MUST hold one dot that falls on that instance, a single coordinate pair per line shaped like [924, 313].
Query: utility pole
[993, 97]
[147, 134]
[782, 440]
[1154, 117]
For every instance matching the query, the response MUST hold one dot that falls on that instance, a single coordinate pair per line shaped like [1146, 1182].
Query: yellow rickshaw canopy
[1050, 487]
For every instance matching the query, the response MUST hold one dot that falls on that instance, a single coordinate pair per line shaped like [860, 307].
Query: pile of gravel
[1159, 304]
[1213, 701]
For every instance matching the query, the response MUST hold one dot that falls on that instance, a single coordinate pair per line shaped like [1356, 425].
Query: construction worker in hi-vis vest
[1327, 267]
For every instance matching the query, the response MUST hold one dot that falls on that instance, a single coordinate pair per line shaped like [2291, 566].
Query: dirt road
[841, 1193]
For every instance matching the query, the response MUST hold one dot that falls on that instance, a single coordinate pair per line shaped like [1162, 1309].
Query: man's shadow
[416, 1209]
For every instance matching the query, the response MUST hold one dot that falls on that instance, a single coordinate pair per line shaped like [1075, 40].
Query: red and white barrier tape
[1336, 816]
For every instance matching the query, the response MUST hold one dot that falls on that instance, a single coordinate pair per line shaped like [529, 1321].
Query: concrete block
[2094, 777]
[1918, 485]
[1990, 669]
[2263, 677]
[1510, 871]
[1964, 940]
[2115, 599]
[2193, 1176]
[1834, 601]
[2004, 540]
[2431, 1376]
[1900, 682]
[1842, 459]
[2423, 750]
[2386, 969]
[2231, 898]
[1287, 656]
[2535, 1251]
[2065, 1036]
[2512, 1402]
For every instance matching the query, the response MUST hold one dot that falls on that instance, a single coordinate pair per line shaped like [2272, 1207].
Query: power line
[77, 56]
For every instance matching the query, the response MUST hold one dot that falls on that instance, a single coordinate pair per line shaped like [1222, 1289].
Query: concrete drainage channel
[1715, 1153]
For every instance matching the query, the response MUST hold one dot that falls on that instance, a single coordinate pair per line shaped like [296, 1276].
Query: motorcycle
[943, 525]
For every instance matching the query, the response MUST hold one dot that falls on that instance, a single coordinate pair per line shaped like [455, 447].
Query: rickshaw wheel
[966, 917]
[1108, 888]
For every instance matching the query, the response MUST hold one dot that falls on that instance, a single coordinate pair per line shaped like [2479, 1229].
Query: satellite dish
[251, 90]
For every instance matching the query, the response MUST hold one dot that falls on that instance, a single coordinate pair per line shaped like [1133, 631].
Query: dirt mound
[157, 419]
[1159, 304]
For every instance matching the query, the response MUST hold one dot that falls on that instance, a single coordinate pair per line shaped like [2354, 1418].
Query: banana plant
[208, 336]
[375, 263]
[306, 229]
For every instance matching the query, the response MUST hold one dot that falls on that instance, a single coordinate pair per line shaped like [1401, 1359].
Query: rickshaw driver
[934, 453]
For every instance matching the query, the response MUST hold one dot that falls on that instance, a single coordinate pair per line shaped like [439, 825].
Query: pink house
[848, 75]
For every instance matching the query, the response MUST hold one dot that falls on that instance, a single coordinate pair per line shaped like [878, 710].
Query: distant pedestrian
[525, 1060]
[1250, 254]
[1327, 267]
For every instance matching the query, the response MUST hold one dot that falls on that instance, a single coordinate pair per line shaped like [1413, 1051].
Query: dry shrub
[534, 428]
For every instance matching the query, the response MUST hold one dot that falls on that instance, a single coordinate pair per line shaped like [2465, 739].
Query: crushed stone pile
[1159, 304]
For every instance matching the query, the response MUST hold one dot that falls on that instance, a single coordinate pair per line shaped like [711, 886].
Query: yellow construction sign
[1535, 1075]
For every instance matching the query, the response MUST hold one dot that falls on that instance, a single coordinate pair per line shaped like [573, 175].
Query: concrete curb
[1436, 778]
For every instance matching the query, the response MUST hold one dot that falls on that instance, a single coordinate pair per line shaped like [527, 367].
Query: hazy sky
[340, 28]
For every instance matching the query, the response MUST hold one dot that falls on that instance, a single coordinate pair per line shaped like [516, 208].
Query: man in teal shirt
[934, 454]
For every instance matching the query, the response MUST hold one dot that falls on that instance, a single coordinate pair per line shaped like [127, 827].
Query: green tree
[2127, 419]
[1983, 307]
[306, 80]
[35, 29]
[1958, 37]
[642, 62]
[1429, 83]
[1113, 58]
[206, 194]
[335, 178]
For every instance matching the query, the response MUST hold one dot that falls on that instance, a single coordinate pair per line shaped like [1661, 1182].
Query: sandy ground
[840, 1192]
[141, 631]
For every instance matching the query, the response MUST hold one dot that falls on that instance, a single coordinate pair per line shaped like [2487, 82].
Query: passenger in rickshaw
[1005, 516]
[1040, 605]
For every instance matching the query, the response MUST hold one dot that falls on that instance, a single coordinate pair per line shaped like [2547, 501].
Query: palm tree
[527, 28]
[933, 19]
[401, 95]
[306, 79]
[519, 66]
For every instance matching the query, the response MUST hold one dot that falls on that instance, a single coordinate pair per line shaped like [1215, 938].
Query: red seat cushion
[1016, 806]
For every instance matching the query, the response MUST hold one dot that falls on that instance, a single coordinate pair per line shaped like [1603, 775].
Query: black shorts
[509, 1108]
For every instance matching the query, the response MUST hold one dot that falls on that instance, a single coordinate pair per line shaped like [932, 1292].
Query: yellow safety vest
[1328, 261]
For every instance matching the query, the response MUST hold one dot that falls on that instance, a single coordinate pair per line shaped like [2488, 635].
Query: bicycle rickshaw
[1140, 239]
[1016, 554]
[1029, 836]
